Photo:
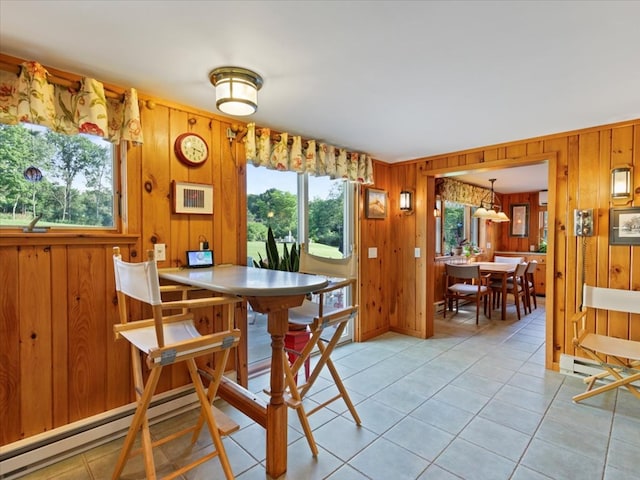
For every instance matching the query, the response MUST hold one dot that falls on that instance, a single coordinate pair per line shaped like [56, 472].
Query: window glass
[272, 201]
[66, 180]
[438, 215]
[300, 209]
[326, 214]
[454, 227]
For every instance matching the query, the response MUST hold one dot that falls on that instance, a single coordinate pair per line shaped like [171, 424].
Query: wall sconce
[621, 187]
[405, 201]
[236, 90]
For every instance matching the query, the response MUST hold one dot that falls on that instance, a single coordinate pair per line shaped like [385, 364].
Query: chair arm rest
[200, 302]
[178, 288]
[334, 284]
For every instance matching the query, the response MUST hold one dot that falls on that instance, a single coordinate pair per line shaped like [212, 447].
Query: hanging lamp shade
[493, 210]
[236, 90]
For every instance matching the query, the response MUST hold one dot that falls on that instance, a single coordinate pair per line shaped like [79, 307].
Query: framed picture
[624, 226]
[519, 220]
[192, 198]
[375, 203]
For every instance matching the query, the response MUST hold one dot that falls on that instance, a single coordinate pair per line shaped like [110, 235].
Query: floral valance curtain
[460, 192]
[313, 158]
[30, 97]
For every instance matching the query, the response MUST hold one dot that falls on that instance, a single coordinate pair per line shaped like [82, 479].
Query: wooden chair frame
[152, 337]
[530, 284]
[619, 358]
[326, 326]
[516, 286]
[465, 282]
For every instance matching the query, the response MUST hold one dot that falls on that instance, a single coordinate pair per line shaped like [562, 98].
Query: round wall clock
[191, 149]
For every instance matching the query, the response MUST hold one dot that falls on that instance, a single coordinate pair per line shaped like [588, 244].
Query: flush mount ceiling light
[494, 212]
[236, 90]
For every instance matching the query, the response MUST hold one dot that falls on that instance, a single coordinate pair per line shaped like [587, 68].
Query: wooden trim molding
[22, 239]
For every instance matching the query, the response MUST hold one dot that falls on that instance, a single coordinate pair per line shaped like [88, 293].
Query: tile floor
[471, 403]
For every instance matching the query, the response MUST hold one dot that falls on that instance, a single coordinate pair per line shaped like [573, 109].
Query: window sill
[66, 238]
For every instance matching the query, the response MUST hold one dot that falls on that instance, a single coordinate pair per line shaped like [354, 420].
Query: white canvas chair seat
[618, 357]
[305, 313]
[326, 325]
[167, 340]
[177, 334]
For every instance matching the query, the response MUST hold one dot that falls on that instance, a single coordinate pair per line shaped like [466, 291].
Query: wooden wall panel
[34, 284]
[59, 335]
[87, 346]
[374, 294]
[10, 379]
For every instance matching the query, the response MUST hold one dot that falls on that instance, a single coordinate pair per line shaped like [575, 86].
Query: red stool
[294, 342]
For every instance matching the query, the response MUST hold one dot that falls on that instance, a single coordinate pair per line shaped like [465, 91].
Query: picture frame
[375, 203]
[624, 226]
[519, 225]
[192, 198]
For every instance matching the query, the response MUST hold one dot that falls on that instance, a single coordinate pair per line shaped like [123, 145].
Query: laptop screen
[199, 258]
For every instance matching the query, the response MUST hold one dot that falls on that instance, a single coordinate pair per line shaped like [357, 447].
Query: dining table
[503, 271]
[272, 292]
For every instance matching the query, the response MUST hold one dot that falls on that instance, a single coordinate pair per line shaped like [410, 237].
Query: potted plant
[289, 262]
[460, 243]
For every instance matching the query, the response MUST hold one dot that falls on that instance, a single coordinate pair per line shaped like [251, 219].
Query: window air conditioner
[543, 197]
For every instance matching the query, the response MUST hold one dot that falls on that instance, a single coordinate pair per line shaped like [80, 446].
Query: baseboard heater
[38, 451]
[581, 367]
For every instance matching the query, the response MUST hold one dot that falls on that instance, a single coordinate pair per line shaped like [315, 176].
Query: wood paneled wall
[579, 177]
[58, 359]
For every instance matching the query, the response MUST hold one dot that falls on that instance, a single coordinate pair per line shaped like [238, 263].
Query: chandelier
[494, 211]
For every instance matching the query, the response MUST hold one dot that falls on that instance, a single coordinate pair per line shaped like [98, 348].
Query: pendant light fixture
[494, 212]
[236, 90]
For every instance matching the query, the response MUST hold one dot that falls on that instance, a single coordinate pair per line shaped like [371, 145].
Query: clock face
[191, 149]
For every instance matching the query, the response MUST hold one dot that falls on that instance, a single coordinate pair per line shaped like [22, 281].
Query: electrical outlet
[160, 252]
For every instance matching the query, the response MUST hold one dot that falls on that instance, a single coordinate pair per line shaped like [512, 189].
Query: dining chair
[499, 259]
[325, 317]
[168, 339]
[465, 282]
[515, 286]
[530, 284]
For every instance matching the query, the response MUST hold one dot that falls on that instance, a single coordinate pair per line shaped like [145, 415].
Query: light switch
[416, 252]
[373, 252]
[488, 245]
[160, 252]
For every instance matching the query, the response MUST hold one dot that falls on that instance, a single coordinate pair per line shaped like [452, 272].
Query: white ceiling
[396, 79]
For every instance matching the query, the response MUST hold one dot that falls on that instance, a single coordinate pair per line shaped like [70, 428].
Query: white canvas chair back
[611, 299]
[331, 267]
[138, 280]
[499, 259]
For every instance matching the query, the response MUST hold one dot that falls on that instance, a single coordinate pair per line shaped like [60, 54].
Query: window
[299, 208]
[66, 180]
[456, 225]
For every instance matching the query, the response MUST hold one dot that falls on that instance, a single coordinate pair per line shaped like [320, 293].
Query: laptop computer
[199, 258]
